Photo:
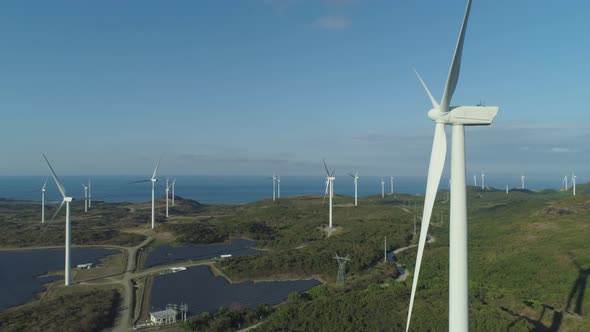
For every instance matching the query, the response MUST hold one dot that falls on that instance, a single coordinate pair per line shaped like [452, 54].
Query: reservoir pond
[205, 292]
[19, 270]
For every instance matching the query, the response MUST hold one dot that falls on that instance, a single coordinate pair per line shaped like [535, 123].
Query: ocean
[238, 189]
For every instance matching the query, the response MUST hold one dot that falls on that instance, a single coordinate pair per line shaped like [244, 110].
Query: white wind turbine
[483, 178]
[167, 191]
[564, 183]
[89, 194]
[274, 180]
[153, 180]
[43, 202]
[573, 183]
[458, 117]
[522, 177]
[67, 201]
[173, 183]
[474, 180]
[329, 189]
[392, 178]
[382, 188]
[278, 187]
[85, 197]
[355, 176]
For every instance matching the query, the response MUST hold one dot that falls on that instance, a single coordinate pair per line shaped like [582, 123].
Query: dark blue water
[19, 268]
[167, 254]
[203, 291]
[241, 189]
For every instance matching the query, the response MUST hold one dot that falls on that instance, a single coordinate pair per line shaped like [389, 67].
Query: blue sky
[246, 87]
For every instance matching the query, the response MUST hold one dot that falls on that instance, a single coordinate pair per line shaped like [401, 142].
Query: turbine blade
[326, 192]
[140, 181]
[334, 171]
[326, 167]
[455, 65]
[435, 169]
[156, 170]
[357, 173]
[432, 100]
[61, 188]
[45, 184]
[57, 211]
[350, 174]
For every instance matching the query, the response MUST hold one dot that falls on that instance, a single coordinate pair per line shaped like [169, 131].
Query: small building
[164, 316]
[85, 266]
[225, 256]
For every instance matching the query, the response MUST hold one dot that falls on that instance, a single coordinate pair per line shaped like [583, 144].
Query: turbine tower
[382, 188]
[153, 180]
[474, 180]
[167, 191]
[329, 189]
[573, 183]
[67, 201]
[274, 179]
[43, 202]
[85, 197]
[483, 176]
[392, 178]
[278, 187]
[173, 183]
[89, 194]
[565, 183]
[458, 117]
[356, 179]
[522, 181]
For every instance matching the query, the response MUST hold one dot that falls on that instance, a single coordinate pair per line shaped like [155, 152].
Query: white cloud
[562, 150]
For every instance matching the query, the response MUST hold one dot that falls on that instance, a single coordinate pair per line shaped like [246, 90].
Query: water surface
[204, 292]
[19, 270]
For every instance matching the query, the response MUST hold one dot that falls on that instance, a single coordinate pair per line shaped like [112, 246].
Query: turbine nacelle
[68, 199]
[465, 115]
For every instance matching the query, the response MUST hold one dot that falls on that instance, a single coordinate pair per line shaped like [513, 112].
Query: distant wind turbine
[506, 189]
[522, 177]
[43, 202]
[564, 183]
[173, 194]
[392, 178]
[329, 189]
[458, 117]
[474, 180]
[67, 201]
[153, 180]
[278, 187]
[85, 197]
[382, 188]
[573, 183]
[89, 194]
[483, 176]
[356, 179]
[167, 191]
[274, 179]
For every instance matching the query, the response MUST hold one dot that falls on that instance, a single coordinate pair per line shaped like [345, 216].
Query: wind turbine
[278, 187]
[89, 194]
[574, 183]
[274, 179]
[67, 201]
[153, 180]
[483, 176]
[382, 188]
[392, 178]
[565, 183]
[167, 191]
[458, 117]
[522, 181]
[474, 180]
[356, 179]
[506, 189]
[329, 188]
[43, 202]
[173, 183]
[85, 197]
